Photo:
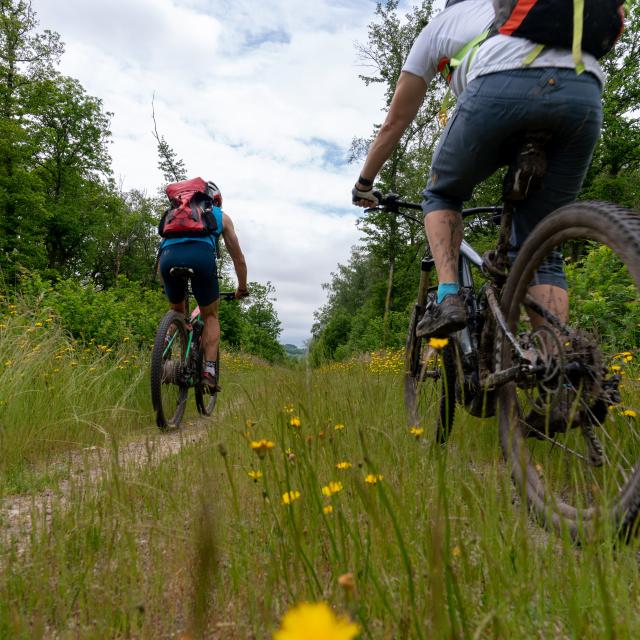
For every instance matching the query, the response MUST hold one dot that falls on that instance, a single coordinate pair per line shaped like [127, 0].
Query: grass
[418, 542]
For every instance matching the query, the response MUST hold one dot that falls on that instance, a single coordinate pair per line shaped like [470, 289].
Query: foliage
[604, 298]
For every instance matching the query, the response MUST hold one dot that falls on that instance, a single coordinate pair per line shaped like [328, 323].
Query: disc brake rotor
[549, 385]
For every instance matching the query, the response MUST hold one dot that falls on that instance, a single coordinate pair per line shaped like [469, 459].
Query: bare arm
[406, 101]
[233, 247]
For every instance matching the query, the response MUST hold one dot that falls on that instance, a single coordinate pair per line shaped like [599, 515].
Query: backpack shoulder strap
[217, 214]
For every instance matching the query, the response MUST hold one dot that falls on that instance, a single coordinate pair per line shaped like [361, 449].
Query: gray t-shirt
[449, 31]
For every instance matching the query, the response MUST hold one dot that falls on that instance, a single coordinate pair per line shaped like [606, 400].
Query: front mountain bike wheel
[205, 398]
[168, 362]
[569, 427]
[429, 381]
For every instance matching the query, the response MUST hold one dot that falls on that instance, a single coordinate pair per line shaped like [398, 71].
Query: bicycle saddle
[181, 272]
[528, 167]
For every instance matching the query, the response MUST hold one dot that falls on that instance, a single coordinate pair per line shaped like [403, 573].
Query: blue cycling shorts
[201, 257]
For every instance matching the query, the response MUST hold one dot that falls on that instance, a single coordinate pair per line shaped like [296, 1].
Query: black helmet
[450, 3]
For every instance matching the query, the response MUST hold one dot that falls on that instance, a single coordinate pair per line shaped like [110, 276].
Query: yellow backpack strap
[535, 52]
[457, 59]
[447, 102]
[578, 25]
[451, 65]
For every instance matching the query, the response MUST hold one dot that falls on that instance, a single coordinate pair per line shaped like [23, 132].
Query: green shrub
[604, 300]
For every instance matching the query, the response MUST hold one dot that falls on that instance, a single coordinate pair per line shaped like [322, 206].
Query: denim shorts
[201, 257]
[477, 141]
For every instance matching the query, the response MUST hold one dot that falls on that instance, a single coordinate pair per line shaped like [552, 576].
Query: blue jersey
[211, 239]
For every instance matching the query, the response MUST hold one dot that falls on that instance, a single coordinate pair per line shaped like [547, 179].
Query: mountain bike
[177, 362]
[567, 422]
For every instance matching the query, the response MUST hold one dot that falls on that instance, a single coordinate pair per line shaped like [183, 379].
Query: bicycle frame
[193, 321]
[469, 256]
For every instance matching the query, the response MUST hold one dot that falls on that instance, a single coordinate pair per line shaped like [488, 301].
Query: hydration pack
[593, 26]
[191, 214]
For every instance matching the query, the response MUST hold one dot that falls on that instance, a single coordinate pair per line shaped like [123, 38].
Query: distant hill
[294, 352]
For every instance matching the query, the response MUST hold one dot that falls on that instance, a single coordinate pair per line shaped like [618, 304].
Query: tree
[26, 58]
[264, 327]
[173, 167]
[389, 43]
[70, 132]
[614, 173]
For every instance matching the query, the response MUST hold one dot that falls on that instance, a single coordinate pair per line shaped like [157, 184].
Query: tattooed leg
[444, 232]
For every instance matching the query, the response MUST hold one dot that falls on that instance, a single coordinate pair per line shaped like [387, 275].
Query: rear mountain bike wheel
[168, 361]
[429, 382]
[206, 399]
[570, 432]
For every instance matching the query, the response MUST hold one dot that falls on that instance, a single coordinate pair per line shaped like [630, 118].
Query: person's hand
[363, 196]
[241, 293]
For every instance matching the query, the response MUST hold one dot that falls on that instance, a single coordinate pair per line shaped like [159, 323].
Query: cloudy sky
[261, 96]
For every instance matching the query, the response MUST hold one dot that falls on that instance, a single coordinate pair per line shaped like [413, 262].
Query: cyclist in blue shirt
[200, 254]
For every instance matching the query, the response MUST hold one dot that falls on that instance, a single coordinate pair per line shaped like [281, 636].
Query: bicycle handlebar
[390, 202]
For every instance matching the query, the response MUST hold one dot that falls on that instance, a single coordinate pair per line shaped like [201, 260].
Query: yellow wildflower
[331, 488]
[261, 446]
[288, 408]
[416, 431]
[615, 368]
[317, 621]
[629, 413]
[343, 465]
[125, 339]
[438, 343]
[250, 423]
[290, 496]
[294, 421]
[455, 552]
[255, 475]
[8, 363]
[328, 509]
[339, 427]
[38, 324]
[373, 479]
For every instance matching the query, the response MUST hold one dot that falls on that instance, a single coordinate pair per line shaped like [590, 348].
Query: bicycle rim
[168, 360]
[572, 436]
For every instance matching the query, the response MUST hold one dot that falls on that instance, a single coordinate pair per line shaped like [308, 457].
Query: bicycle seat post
[524, 176]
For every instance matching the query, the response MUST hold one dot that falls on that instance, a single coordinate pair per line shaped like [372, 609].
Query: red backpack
[191, 212]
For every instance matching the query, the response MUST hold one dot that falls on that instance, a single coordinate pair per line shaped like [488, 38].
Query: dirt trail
[91, 465]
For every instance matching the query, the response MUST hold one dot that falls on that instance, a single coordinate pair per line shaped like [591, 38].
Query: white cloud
[251, 95]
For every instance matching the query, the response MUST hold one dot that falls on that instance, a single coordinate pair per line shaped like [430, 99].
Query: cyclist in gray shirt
[499, 96]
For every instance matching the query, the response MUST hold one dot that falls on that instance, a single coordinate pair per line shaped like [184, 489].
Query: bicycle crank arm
[520, 372]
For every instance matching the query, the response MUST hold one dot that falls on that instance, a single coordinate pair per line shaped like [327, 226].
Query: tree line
[370, 298]
[63, 219]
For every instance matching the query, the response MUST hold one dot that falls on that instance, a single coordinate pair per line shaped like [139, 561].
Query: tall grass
[204, 543]
[57, 394]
